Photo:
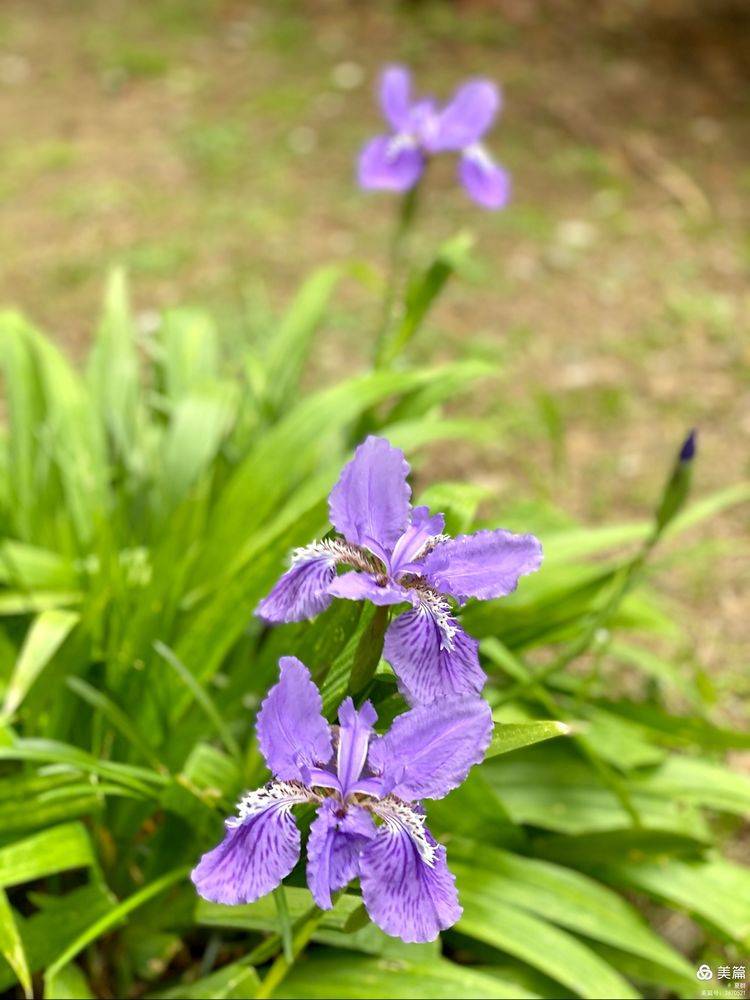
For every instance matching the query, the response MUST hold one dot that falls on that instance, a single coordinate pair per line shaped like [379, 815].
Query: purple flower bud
[687, 451]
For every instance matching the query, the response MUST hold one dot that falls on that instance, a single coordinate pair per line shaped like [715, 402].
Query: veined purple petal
[395, 96]
[429, 750]
[292, 733]
[390, 163]
[333, 849]
[260, 848]
[467, 116]
[363, 587]
[371, 498]
[423, 527]
[432, 657]
[484, 181]
[406, 885]
[302, 592]
[355, 730]
[486, 564]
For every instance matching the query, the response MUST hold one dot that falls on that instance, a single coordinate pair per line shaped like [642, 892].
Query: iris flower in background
[422, 129]
[366, 789]
[398, 554]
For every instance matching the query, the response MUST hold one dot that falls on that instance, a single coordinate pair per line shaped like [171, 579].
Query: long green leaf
[47, 633]
[55, 850]
[508, 736]
[113, 371]
[328, 977]
[111, 919]
[563, 897]
[11, 945]
[290, 343]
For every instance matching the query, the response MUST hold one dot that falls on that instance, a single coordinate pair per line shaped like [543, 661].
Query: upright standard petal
[260, 848]
[302, 592]
[424, 527]
[292, 733]
[429, 750]
[406, 885]
[467, 116]
[333, 850]
[390, 163]
[432, 657]
[355, 730]
[395, 96]
[484, 181]
[486, 564]
[362, 587]
[371, 498]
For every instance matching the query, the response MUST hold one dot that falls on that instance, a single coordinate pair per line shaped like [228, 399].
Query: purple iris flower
[366, 789]
[398, 554]
[421, 129]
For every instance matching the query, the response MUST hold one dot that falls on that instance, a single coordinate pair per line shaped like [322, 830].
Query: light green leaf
[561, 896]
[353, 977]
[553, 951]
[554, 789]
[190, 357]
[47, 633]
[68, 983]
[27, 567]
[11, 945]
[236, 981]
[198, 424]
[55, 850]
[113, 370]
[263, 915]
[112, 918]
[717, 891]
[509, 736]
[290, 342]
[58, 920]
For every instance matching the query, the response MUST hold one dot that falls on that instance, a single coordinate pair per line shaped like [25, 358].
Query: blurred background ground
[209, 147]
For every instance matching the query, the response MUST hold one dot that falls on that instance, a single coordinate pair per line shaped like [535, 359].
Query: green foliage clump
[146, 506]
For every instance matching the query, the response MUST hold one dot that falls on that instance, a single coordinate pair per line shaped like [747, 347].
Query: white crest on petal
[436, 606]
[479, 155]
[336, 550]
[401, 817]
[281, 795]
[400, 142]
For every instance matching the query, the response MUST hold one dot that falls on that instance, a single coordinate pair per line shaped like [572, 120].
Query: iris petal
[302, 592]
[333, 850]
[429, 750]
[390, 163]
[292, 733]
[258, 851]
[467, 116]
[485, 565]
[406, 885]
[371, 498]
[485, 182]
[432, 657]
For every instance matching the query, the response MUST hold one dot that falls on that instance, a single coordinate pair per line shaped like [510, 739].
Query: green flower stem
[671, 502]
[369, 651]
[396, 259]
[285, 923]
[304, 931]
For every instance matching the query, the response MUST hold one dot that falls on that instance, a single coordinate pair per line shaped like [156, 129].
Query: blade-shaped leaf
[47, 633]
